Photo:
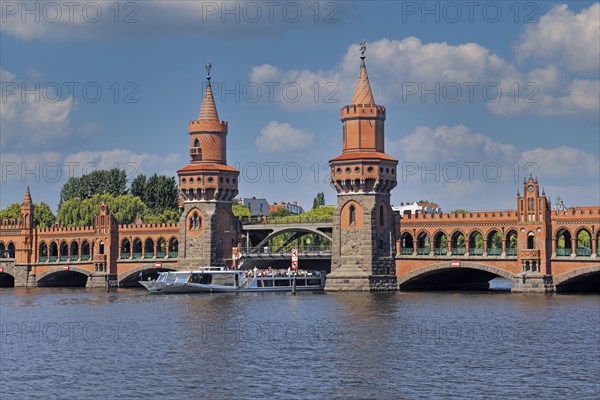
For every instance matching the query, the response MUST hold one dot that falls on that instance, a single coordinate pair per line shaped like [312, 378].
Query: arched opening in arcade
[584, 243]
[43, 252]
[149, 248]
[132, 279]
[475, 244]
[3, 250]
[173, 247]
[440, 244]
[458, 244]
[63, 251]
[161, 248]
[6, 280]
[494, 243]
[563, 242]
[125, 248]
[11, 250]
[423, 245]
[137, 248]
[466, 277]
[74, 251]
[511, 243]
[406, 244]
[53, 252]
[85, 250]
[63, 278]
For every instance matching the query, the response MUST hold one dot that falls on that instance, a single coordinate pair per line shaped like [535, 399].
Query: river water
[80, 343]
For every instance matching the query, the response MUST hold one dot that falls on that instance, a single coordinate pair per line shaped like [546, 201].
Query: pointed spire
[27, 199]
[208, 110]
[362, 91]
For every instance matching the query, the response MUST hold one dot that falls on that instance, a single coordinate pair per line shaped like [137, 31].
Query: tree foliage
[137, 186]
[13, 211]
[167, 216]
[161, 193]
[77, 212]
[240, 211]
[112, 181]
[319, 200]
[43, 217]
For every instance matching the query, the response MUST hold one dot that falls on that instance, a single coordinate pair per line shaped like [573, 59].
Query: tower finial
[208, 66]
[363, 48]
[362, 90]
[208, 110]
[27, 198]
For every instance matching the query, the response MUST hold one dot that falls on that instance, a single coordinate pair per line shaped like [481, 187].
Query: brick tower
[363, 175]
[207, 228]
[24, 252]
[534, 239]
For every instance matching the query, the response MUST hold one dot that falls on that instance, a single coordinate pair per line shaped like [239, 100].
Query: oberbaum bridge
[369, 246]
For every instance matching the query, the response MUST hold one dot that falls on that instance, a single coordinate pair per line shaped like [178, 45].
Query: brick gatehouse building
[373, 248]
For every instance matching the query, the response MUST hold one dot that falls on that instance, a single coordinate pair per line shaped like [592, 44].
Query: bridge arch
[585, 279]
[6, 279]
[304, 230]
[130, 277]
[74, 276]
[443, 276]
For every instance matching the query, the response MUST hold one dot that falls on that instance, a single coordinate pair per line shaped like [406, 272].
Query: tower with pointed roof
[363, 249]
[533, 242]
[207, 228]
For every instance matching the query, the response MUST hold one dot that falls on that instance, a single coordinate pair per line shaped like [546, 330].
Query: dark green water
[77, 343]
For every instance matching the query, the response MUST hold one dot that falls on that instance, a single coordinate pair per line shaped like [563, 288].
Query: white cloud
[281, 137]
[565, 38]
[132, 163]
[94, 20]
[563, 163]
[34, 119]
[451, 143]
[460, 168]
[406, 70]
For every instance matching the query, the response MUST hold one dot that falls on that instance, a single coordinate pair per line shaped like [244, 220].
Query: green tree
[161, 193]
[43, 217]
[459, 211]
[112, 181]
[13, 211]
[76, 212]
[167, 216]
[319, 200]
[240, 211]
[137, 186]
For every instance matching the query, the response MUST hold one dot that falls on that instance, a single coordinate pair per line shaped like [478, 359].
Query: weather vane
[363, 48]
[208, 68]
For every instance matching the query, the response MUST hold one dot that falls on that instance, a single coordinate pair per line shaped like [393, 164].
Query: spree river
[81, 343]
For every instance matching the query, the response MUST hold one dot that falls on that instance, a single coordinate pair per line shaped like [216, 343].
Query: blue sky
[478, 95]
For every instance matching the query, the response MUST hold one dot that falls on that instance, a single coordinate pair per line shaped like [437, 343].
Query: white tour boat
[218, 279]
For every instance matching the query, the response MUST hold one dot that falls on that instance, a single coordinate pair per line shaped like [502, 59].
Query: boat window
[182, 278]
[282, 282]
[314, 282]
[223, 279]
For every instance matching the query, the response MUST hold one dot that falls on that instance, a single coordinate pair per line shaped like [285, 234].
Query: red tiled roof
[372, 155]
[207, 167]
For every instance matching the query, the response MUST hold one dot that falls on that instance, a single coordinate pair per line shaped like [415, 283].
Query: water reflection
[78, 342]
